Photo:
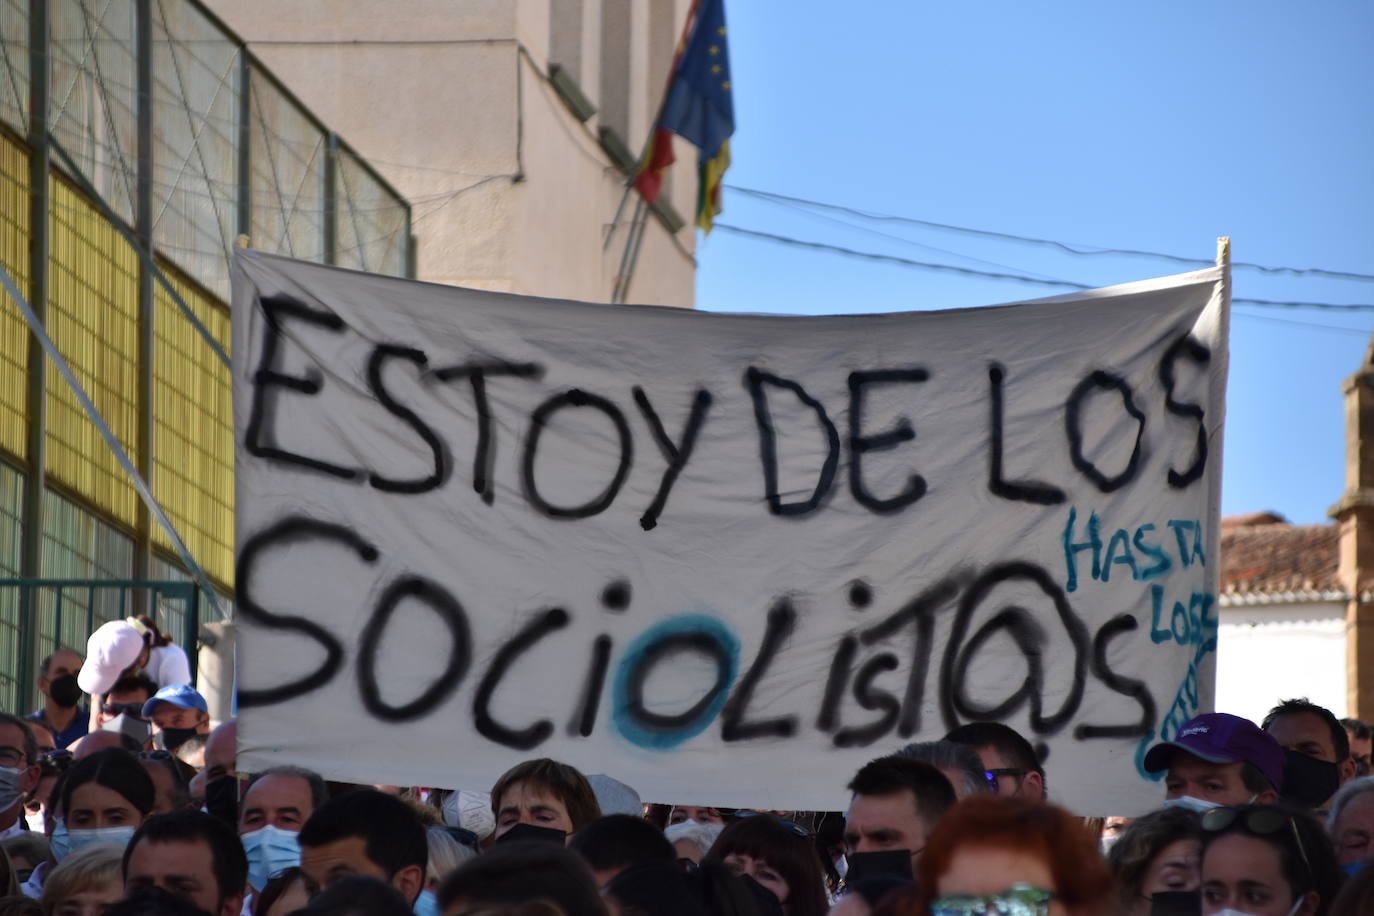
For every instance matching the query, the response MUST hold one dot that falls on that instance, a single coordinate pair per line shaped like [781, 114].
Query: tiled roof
[1260, 556]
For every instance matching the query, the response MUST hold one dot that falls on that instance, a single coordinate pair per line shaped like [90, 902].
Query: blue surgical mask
[270, 850]
[60, 841]
[1191, 803]
[80, 839]
[9, 787]
[426, 905]
[1352, 868]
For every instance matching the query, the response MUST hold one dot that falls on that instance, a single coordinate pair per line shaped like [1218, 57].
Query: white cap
[111, 649]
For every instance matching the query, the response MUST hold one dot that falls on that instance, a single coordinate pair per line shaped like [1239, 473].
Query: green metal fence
[64, 612]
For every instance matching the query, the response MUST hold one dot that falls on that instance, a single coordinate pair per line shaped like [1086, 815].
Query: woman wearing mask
[995, 854]
[105, 798]
[779, 855]
[1156, 862]
[1265, 860]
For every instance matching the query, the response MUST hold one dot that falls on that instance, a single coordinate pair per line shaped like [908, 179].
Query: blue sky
[1154, 126]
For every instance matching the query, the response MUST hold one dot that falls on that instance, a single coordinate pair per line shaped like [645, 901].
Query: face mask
[138, 729]
[842, 867]
[65, 691]
[222, 799]
[470, 811]
[80, 839]
[1353, 868]
[169, 739]
[9, 787]
[1192, 804]
[270, 850]
[426, 904]
[35, 821]
[1307, 780]
[712, 830]
[1176, 903]
[60, 841]
[1105, 844]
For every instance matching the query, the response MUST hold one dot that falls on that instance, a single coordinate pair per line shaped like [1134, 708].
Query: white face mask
[35, 821]
[470, 811]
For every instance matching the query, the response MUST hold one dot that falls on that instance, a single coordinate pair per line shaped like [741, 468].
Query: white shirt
[168, 665]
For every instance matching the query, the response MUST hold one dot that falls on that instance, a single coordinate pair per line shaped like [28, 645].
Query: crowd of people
[135, 807]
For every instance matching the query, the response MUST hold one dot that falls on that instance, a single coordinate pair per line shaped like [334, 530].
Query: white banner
[726, 559]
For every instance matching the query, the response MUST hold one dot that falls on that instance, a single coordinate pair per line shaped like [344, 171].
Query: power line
[892, 258]
[1302, 324]
[900, 238]
[1020, 278]
[1062, 246]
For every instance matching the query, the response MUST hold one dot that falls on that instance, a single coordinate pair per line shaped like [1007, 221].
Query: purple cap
[1219, 737]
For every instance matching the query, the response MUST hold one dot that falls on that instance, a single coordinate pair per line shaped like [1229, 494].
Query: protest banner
[725, 559]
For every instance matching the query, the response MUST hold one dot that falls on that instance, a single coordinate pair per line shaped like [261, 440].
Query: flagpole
[653, 125]
[630, 255]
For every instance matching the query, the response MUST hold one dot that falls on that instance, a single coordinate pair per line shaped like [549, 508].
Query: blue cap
[183, 695]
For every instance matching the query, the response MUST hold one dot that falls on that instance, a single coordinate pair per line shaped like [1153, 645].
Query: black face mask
[1176, 903]
[222, 799]
[65, 691]
[529, 833]
[172, 738]
[1308, 781]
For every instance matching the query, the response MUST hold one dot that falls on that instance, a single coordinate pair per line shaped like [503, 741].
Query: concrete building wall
[451, 102]
[1268, 652]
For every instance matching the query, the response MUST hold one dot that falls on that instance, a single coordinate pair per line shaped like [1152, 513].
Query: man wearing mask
[1316, 752]
[179, 712]
[18, 773]
[218, 782]
[126, 697]
[896, 802]
[275, 806]
[62, 713]
[1218, 759]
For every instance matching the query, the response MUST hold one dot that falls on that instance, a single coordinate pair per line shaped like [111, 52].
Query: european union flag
[698, 108]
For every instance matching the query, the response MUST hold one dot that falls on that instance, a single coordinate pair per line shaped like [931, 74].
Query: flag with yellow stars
[699, 109]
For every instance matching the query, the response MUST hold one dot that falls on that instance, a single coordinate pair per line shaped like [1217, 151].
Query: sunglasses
[1017, 900]
[134, 710]
[1260, 821]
